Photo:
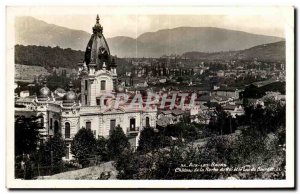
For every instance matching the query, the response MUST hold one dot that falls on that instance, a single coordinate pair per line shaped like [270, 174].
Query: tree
[262, 138]
[57, 81]
[222, 123]
[51, 153]
[264, 119]
[180, 79]
[83, 146]
[217, 149]
[126, 165]
[117, 142]
[149, 140]
[26, 135]
[253, 91]
[185, 130]
[101, 149]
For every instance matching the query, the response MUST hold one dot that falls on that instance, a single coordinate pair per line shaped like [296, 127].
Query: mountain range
[272, 52]
[31, 31]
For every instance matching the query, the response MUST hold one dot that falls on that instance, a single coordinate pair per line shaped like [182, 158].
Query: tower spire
[97, 19]
[97, 27]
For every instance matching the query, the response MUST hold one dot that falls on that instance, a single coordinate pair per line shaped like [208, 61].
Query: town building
[68, 114]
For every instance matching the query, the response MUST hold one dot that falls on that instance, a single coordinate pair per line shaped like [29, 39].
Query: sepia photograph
[150, 97]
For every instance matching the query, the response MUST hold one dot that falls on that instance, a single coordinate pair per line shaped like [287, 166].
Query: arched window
[147, 122]
[103, 84]
[67, 130]
[55, 127]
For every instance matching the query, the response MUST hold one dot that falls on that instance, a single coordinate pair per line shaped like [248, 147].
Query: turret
[98, 73]
[69, 98]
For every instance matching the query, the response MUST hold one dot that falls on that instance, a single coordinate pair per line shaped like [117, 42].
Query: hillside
[272, 52]
[49, 57]
[30, 31]
[204, 39]
[27, 73]
[267, 52]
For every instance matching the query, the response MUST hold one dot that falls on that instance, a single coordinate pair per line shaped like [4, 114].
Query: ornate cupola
[70, 97]
[97, 50]
[98, 71]
[44, 93]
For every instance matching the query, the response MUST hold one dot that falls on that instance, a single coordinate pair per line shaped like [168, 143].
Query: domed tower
[69, 114]
[44, 93]
[70, 97]
[43, 102]
[97, 50]
[98, 71]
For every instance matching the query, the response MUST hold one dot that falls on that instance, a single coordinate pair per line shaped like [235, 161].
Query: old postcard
[150, 97]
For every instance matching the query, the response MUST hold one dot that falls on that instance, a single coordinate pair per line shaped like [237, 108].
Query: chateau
[90, 109]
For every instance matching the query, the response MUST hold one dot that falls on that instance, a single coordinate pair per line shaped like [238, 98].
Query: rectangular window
[132, 124]
[102, 84]
[85, 98]
[147, 122]
[98, 101]
[67, 153]
[51, 123]
[88, 125]
[86, 84]
[112, 124]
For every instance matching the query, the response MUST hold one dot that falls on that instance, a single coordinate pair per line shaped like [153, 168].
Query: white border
[286, 12]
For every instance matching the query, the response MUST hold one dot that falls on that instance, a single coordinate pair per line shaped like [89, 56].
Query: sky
[133, 21]
[135, 25]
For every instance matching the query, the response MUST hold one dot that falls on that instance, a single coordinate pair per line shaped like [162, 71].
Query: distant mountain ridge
[31, 31]
[272, 52]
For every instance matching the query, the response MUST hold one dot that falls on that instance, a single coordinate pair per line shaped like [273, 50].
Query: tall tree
[127, 165]
[149, 140]
[117, 142]
[26, 135]
[222, 123]
[51, 152]
[83, 146]
[101, 149]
